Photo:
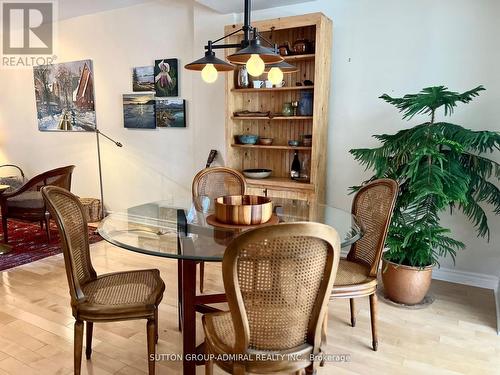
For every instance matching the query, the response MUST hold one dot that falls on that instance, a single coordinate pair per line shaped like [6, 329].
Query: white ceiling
[236, 6]
[75, 8]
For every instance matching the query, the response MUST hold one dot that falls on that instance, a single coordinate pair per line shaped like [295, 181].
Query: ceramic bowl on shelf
[248, 139]
[293, 143]
[257, 173]
[265, 141]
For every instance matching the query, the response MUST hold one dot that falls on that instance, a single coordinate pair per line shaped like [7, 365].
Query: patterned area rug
[29, 243]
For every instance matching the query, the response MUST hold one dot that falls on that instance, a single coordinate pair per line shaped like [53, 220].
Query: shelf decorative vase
[306, 103]
[287, 109]
[243, 81]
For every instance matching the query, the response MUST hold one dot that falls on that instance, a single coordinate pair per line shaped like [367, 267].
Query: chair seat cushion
[143, 287]
[351, 273]
[28, 199]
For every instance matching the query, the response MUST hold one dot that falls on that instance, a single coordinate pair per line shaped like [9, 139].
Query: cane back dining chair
[105, 298]
[26, 202]
[278, 281]
[373, 205]
[214, 182]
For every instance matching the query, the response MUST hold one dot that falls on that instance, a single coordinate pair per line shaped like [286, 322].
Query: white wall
[399, 47]
[384, 46]
[153, 164]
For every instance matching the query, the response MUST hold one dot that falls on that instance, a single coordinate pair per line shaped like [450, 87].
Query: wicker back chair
[26, 202]
[212, 183]
[105, 298]
[357, 277]
[277, 281]
[215, 182]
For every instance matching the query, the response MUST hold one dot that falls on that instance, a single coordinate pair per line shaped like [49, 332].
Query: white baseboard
[453, 275]
[467, 278]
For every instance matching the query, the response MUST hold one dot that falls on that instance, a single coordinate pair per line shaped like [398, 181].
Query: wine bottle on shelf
[295, 170]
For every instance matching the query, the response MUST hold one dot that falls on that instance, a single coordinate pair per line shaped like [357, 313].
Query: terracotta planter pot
[405, 284]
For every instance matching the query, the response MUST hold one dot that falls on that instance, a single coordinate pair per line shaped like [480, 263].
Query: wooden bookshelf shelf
[282, 182]
[286, 88]
[308, 56]
[276, 118]
[278, 156]
[273, 147]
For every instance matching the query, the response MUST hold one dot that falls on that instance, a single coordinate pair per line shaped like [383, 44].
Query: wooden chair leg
[202, 276]
[151, 329]
[238, 369]
[298, 372]
[156, 326]
[88, 337]
[324, 330]
[78, 346]
[311, 369]
[209, 368]
[373, 318]
[5, 231]
[353, 312]
[47, 225]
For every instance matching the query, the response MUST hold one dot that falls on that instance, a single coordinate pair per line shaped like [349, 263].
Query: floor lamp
[118, 144]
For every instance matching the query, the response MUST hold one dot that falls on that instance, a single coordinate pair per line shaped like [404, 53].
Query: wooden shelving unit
[278, 156]
[286, 88]
[274, 147]
[292, 58]
[275, 118]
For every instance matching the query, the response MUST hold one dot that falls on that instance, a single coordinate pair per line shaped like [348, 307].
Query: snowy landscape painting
[143, 78]
[65, 96]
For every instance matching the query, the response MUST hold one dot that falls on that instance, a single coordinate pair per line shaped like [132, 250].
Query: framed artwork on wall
[139, 111]
[143, 78]
[166, 77]
[64, 96]
[170, 113]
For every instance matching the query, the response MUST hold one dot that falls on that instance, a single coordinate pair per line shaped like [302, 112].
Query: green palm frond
[430, 99]
[437, 165]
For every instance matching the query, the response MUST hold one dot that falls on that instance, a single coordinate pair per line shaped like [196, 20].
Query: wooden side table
[4, 248]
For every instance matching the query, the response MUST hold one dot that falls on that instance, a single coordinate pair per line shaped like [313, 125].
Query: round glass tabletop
[181, 230]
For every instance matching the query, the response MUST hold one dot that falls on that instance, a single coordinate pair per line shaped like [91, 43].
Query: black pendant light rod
[246, 28]
[246, 22]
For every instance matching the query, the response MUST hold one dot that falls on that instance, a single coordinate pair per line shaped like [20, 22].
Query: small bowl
[248, 139]
[293, 143]
[265, 141]
[257, 173]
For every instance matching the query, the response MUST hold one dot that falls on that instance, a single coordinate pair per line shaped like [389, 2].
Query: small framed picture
[143, 78]
[166, 77]
[139, 111]
[170, 113]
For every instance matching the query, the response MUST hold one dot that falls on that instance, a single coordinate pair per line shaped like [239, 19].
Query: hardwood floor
[455, 335]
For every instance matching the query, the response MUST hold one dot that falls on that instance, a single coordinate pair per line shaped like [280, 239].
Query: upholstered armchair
[26, 203]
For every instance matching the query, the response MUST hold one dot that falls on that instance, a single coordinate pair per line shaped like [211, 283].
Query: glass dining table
[183, 229]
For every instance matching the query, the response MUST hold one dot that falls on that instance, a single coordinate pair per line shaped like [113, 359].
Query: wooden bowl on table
[243, 209]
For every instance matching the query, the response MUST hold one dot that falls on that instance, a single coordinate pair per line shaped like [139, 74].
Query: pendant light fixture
[275, 71]
[250, 52]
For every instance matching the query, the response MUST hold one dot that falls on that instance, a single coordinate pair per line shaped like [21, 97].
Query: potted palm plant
[438, 165]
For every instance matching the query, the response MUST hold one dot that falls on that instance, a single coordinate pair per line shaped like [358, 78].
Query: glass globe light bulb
[209, 73]
[275, 75]
[255, 65]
